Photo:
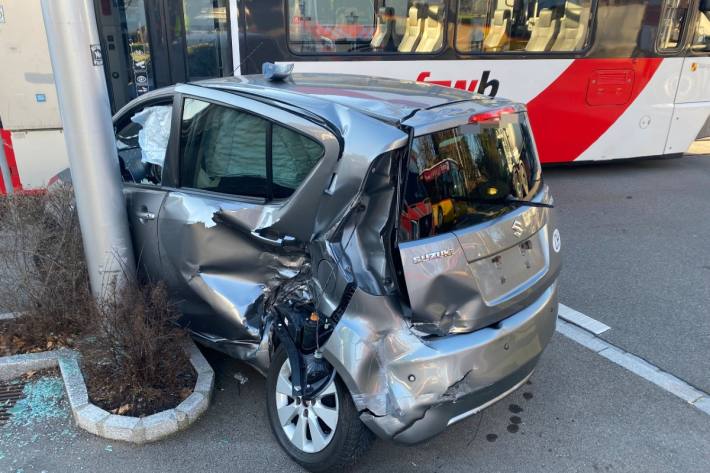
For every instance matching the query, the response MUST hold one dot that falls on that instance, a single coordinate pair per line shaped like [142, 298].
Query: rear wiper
[527, 203]
[514, 202]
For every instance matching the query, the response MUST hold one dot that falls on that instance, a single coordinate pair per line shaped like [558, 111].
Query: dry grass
[43, 271]
[130, 347]
[136, 343]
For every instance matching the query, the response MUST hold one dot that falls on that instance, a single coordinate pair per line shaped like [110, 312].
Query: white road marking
[587, 323]
[636, 365]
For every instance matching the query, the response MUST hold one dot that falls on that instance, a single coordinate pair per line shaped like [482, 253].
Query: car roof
[389, 100]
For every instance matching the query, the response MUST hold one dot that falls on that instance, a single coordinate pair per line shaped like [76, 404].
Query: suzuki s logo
[518, 228]
[432, 256]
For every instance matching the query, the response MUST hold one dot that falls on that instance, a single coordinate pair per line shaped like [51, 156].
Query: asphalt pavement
[580, 413]
[636, 256]
[636, 239]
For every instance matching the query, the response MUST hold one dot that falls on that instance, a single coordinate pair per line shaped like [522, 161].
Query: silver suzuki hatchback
[383, 251]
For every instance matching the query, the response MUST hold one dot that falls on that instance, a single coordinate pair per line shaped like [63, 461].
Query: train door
[692, 101]
[150, 44]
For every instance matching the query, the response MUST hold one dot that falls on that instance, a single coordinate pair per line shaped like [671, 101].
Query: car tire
[350, 437]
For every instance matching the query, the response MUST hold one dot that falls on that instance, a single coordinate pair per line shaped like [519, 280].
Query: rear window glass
[462, 176]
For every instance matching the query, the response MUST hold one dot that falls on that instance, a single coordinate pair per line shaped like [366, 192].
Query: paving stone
[182, 419]
[581, 336]
[160, 425]
[703, 404]
[677, 386]
[73, 381]
[90, 418]
[651, 373]
[195, 404]
[14, 366]
[205, 383]
[129, 429]
[78, 397]
[200, 363]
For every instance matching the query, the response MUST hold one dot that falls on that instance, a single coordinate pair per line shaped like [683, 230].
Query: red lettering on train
[480, 86]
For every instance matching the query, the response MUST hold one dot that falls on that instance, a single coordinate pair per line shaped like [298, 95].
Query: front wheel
[322, 434]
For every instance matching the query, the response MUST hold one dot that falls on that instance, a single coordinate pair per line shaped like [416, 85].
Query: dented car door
[240, 184]
[143, 137]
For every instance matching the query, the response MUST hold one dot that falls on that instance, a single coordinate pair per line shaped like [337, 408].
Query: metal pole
[88, 129]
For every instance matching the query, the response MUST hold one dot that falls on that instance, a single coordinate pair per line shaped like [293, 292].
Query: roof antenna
[276, 72]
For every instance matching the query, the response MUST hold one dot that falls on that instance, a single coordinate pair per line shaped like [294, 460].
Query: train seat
[573, 29]
[499, 32]
[413, 30]
[433, 36]
[544, 32]
[383, 36]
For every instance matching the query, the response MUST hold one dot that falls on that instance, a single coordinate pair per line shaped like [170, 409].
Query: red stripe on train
[564, 117]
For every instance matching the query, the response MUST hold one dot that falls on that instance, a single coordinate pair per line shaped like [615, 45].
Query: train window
[522, 25]
[672, 25]
[701, 41]
[364, 26]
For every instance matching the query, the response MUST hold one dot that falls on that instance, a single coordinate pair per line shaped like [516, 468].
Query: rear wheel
[321, 434]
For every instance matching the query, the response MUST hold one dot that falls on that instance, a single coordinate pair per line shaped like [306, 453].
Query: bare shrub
[134, 361]
[132, 351]
[43, 270]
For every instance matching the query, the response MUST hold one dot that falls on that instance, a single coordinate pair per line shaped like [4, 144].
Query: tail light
[491, 116]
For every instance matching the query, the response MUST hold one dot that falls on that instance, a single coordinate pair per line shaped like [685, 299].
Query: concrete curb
[13, 366]
[99, 422]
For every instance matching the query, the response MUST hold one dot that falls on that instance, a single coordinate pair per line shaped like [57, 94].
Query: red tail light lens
[492, 116]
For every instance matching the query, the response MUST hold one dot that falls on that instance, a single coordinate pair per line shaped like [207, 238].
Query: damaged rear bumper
[445, 380]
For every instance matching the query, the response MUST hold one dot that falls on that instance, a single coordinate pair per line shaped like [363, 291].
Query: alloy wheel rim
[308, 425]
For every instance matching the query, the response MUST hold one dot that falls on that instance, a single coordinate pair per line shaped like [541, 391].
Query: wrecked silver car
[383, 251]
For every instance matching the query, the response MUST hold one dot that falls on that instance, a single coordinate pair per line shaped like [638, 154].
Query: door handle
[145, 215]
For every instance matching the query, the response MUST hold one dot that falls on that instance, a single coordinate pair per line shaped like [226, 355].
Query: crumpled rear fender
[395, 377]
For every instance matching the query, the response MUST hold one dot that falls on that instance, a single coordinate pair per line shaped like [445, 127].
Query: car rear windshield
[462, 176]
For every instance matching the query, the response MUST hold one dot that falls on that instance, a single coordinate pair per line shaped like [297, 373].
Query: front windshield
[462, 176]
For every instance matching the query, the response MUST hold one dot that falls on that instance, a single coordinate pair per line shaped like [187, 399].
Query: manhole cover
[10, 393]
